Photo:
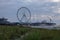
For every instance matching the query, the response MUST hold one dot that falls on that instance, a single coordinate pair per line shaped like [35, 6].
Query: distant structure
[43, 23]
[4, 21]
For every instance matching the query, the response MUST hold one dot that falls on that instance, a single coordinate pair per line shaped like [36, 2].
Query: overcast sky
[40, 9]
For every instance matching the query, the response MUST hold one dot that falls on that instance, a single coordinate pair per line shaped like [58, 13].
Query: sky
[40, 9]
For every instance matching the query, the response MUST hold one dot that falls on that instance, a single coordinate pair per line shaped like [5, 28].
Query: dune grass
[43, 34]
[11, 32]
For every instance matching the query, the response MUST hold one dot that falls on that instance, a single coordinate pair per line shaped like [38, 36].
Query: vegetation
[43, 34]
[13, 32]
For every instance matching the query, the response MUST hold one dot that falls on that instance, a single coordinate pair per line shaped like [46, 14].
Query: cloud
[37, 7]
[39, 18]
[42, 17]
[55, 0]
[57, 10]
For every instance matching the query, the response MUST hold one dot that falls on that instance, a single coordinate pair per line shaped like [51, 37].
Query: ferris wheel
[23, 15]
